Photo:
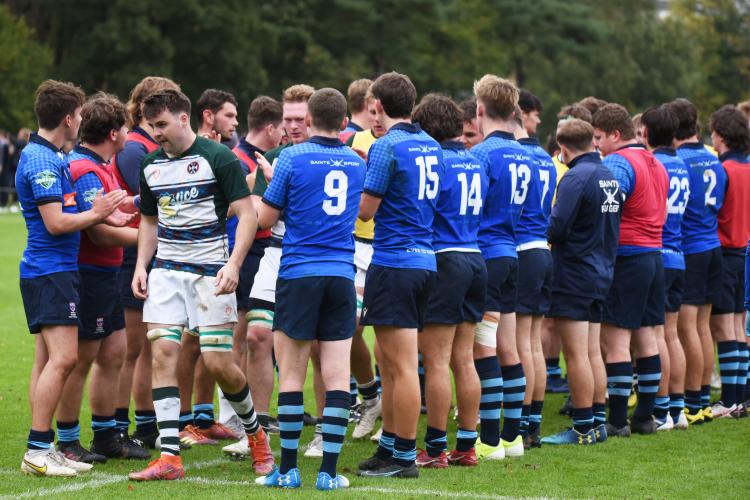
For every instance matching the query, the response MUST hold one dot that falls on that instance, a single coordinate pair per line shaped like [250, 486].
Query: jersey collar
[356, 127]
[665, 151]
[38, 139]
[592, 156]
[502, 135]
[530, 141]
[692, 145]
[90, 153]
[407, 127]
[631, 145]
[455, 145]
[326, 141]
[140, 131]
[733, 155]
[248, 148]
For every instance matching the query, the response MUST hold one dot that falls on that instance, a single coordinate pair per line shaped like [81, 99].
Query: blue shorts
[534, 281]
[731, 296]
[247, 273]
[674, 287]
[316, 308]
[51, 300]
[702, 277]
[396, 296]
[458, 291]
[101, 304]
[575, 308]
[636, 297]
[502, 276]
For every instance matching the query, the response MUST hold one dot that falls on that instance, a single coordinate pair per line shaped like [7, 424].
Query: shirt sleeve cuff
[272, 204]
[374, 193]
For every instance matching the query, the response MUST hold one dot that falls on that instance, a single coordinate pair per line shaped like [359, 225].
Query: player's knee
[64, 362]
[485, 333]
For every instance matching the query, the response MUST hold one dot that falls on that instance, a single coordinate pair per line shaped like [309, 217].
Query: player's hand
[104, 205]
[212, 136]
[266, 167]
[140, 283]
[227, 279]
[118, 218]
[362, 154]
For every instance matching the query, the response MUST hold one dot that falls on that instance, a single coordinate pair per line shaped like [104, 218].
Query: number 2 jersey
[318, 185]
[677, 199]
[404, 169]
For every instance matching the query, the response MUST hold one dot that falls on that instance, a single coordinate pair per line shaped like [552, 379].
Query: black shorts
[731, 297]
[534, 281]
[502, 276]
[101, 304]
[674, 288]
[247, 273]
[575, 308]
[702, 277]
[51, 300]
[636, 297]
[458, 290]
[316, 308]
[396, 296]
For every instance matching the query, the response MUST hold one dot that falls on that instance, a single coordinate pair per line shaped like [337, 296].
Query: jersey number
[428, 178]
[471, 195]
[544, 177]
[520, 177]
[710, 177]
[680, 193]
[335, 187]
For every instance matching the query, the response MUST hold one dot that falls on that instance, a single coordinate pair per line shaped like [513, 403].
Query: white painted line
[98, 481]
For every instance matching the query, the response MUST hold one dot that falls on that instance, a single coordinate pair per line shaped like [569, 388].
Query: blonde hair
[298, 93]
[141, 91]
[498, 95]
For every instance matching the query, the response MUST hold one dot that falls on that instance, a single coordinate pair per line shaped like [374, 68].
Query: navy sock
[186, 418]
[122, 419]
[742, 372]
[535, 416]
[68, 432]
[491, 380]
[600, 413]
[553, 368]
[619, 382]
[583, 420]
[676, 405]
[385, 445]
[693, 401]
[103, 427]
[352, 391]
[368, 391]
[203, 415]
[145, 421]
[649, 375]
[40, 440]
[661, 407]
[404, 451]
[335, 420]
[729, 365]
[514, 386]
[705, 396]
[436, 441]
[465, 439]
[525, 413]
[377, 379]
[291, 410]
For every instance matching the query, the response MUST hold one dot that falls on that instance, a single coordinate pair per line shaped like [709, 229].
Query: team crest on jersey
[193, 167]
[611, 190]
[73, 312]
[45, 178]
[99, 325]
[154, 174]
[90, 195]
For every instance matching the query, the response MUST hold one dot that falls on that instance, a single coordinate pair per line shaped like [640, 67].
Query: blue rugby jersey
[677, 200]
[459, 207]
[404, 169]
[318, 185]
[509, 167]
[43, 177]
[707, 185]
[532, 225]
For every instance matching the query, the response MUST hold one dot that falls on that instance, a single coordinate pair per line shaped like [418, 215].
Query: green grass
[712, 460]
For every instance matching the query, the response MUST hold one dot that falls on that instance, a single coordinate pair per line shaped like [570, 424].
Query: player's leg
[260, 372]
[552, 348]
[661, 403]
[619, 367]
[468, 394]
[523, 344]
[599, 371]
[315, 447]
[676, 370]
[722, 330]
[41, 357]
[742, 370]
[703, 323]
[687, 331]
[540, 382]
[190, 353]
[487, 366]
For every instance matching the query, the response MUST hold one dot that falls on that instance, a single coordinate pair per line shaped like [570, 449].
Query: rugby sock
[436, 441]
[404, 451]
[491, 381]
[420, 371]
[145, 421]
[103, 427]
[465, 439]
[385, 445]
[352, 391]
[729, 365]
[185, 419]
[600, 413]
[203, 415]
[676, 406]
[619, 381]
[291, 410]
[661, 407]
[68, 432]
[514, 386]
[40, 440]
[167, 407]
[122, 420]
[525, 413]
[226, 412]
[335, 420]
[535, 416]
[242, 404]
[368, 391]
[583, 420]
[742, 372]
[649, 375]
[705, 396]
[377, 379]
[693, 401]
[553, 368]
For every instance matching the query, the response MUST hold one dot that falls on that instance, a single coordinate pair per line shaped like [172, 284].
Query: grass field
[710, 461]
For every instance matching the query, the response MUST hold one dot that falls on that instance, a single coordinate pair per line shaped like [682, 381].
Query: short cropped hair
[731, 125]
[661, 124]
[101, 114]
[611, 117]
[327, 108]
[687, 115]
[575, 134]
[592, 104]
[439, 116]
[529, 102]
[744, 106]
[143, 89]
[54, 101]
[264, 111]
[469, 108]
[575, 110]
[396, 94]
[357, 95]
[498, 95]
[213, 99]
[297, 93]
[172, 100]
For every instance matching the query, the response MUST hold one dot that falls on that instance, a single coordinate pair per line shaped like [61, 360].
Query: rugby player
[361, 119]
[531, 107]
[471, 135]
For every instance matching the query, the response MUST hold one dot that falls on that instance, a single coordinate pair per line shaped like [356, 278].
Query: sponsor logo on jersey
[167, 206]
[90, 195]
[45, 178]
[424, 148]
[69, 199]
[193, 167]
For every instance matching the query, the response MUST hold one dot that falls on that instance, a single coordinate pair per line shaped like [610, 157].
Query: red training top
[734, 216]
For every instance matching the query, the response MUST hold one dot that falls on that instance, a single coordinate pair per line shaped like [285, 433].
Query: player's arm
[103, 235]
[623, 172]
[275, 198]
[58, 222]
[569, 195]
[377, 178]
[368, 206]
[147, 242]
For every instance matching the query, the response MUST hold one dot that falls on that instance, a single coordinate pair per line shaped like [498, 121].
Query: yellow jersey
[362, 141]
[560, 168]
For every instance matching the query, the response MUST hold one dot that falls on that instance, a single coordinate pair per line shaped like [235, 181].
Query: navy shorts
[702, 277]
[458, 291]
[396, 296]
[534, 281]
[101, 304]
[636, 297]
[575, 308]
[502, 276]
[731, 297]
[674, 288]
[316, 308]
[51, 300]
[247, 273]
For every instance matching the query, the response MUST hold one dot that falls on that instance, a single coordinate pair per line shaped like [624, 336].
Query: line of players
[464, 254]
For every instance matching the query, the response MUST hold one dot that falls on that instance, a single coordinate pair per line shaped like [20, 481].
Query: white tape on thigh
[170, 334]
[262, 318]
[216, 341]
[486, 333]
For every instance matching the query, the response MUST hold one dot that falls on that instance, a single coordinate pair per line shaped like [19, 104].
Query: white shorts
[186, 299]
[362, 259]
[264, 285]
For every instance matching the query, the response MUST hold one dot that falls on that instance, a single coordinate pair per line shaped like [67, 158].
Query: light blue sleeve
[623, 172]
